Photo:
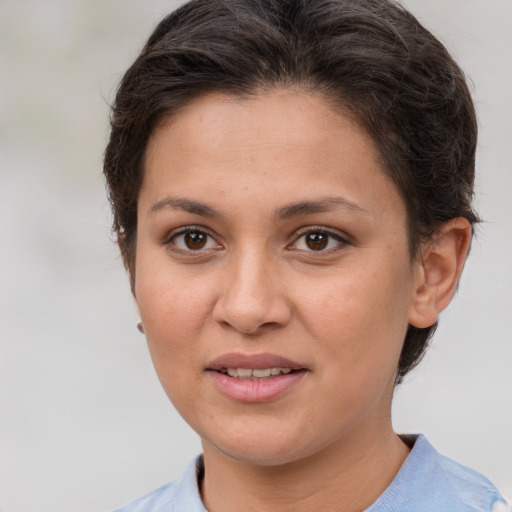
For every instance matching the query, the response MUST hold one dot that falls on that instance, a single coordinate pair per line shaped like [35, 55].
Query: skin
[256, 286]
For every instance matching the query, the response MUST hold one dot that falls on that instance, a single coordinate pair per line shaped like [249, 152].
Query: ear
[438, 271]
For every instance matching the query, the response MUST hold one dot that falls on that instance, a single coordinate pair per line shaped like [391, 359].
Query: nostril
[250, 321]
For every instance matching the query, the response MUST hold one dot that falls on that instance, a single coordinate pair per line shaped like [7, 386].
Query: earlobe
[438, 272]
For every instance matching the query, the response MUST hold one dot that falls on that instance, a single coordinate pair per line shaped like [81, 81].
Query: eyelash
[341, 241]
[170, 240]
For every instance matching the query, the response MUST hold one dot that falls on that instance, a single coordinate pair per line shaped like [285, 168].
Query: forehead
[285, 141]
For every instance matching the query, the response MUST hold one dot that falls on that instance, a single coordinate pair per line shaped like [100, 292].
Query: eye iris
[195, 240]
[317, 241]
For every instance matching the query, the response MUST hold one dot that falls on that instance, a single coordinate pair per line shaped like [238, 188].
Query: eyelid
[183, 230]
[342, 238]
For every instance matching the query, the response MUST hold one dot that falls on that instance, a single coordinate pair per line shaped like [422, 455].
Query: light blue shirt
[426, 482]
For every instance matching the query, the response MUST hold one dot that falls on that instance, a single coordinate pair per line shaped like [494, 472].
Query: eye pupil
[317, 241]
[195, 240]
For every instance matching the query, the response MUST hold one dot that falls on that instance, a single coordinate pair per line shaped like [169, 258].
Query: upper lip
[253, 361]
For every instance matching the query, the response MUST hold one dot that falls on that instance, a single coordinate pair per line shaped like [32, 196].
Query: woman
[291, 183]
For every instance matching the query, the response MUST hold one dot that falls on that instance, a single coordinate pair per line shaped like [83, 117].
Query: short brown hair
[370, 57]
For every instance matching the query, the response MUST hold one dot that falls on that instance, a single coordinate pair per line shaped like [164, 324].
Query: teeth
[244, 373]
[256, 373]
[261, 373]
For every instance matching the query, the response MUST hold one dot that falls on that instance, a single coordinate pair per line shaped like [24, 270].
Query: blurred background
[84, 424]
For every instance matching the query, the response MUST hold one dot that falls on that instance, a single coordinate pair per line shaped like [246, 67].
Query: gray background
[84, 423]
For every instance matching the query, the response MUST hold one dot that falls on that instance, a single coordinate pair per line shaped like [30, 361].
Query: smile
[255, 378]
[255, 373]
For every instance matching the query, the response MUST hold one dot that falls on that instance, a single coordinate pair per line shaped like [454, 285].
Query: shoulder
[158, 500]
[429, 482]
[173, 497]
[466, 489]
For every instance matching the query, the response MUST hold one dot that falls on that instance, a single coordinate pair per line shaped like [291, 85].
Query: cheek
[172, 313]
[358, 330]
[164, 290]
[360, 318]
[173, 309]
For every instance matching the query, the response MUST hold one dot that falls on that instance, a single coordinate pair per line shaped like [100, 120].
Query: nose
[252, 296]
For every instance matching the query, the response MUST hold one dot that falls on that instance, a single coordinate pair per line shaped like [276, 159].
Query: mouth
[254, 366]
[255, 378]
[256, 373]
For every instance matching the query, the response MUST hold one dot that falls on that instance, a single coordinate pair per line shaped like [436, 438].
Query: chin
[259, 456]
[261, 448]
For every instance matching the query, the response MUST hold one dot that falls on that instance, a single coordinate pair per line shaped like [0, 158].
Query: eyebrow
[317, 206]
[284, 213]
[187, 205]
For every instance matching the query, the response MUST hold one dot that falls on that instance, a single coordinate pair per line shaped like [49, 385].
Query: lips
[255, 373]
[253, 361]
[254, 378]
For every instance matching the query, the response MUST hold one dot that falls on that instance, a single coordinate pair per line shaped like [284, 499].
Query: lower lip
[255, 391]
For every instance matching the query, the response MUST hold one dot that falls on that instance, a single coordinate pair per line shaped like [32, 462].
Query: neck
[349, 476]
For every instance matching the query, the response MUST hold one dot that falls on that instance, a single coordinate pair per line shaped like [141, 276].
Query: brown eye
[319, 240]
[195, 240]
[190, 239]
[316, 241]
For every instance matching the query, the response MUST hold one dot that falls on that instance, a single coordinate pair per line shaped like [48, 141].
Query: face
[273, 276]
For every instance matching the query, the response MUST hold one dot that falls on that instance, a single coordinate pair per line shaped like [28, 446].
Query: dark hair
[372, 58]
